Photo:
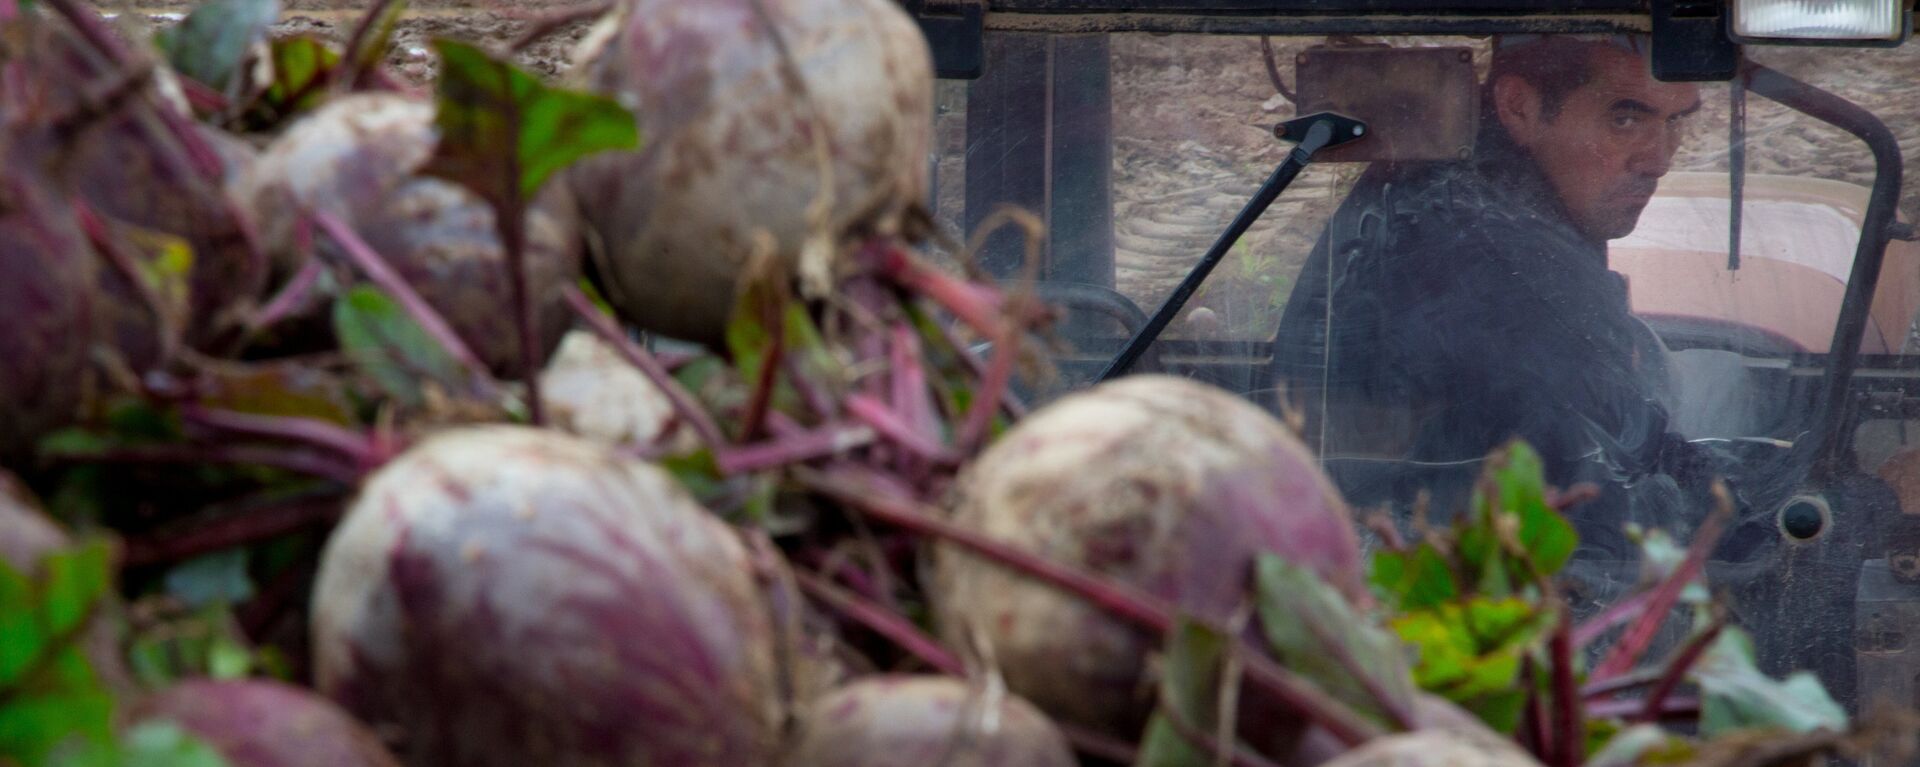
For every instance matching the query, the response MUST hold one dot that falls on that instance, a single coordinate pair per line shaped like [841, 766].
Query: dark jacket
[1460, 299]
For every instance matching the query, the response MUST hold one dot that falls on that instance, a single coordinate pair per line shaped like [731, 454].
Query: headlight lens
[1818, 19]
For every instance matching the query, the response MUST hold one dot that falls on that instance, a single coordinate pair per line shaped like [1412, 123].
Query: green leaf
[212, 42]
[386, 344]
[503, 132]
[1519, 479]
[1414, 580]
[164, 744]
[19, 623]
[203, 643]
[1735, 695]
[32, 727]
[149, 744]
[217, 578]
[1190, 680]
[1316, 633]
[302, 68]
[75, 580]
[756, 325]
[1471, 653]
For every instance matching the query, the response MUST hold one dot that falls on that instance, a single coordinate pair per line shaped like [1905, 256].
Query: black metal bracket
[955, 31]
[1312, 133]
[1690, 42]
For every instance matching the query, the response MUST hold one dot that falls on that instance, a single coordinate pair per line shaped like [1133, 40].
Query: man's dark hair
[1554, 66]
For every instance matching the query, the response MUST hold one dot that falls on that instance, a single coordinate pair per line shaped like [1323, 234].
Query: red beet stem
[1009, 402]
[1677, 669]
[1569, 739]
[822, 442]
[1675, 709]
[242, 527]
[377, 269]
[96, 231]
[289, 298]
[881, 621]
[511, 219]
[891, 425]
[306, 431]
[1615, 614]
[293, 460]
[1639, 635]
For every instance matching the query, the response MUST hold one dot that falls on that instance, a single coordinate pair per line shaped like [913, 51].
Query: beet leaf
[1736, 695]
[1315, 632]
[212, 43]
[392, 349]
[302, 68]
[1190, 675]
[503, 134]
[49, 692]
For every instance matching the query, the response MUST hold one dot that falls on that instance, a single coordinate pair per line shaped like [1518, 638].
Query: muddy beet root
[260, 723]
[140, 161]
[902, 720]
[509, 596]
[47, 316]
[358, 158]
[1165, 484]
[728, 145]
[1436, 748]
[590, 390]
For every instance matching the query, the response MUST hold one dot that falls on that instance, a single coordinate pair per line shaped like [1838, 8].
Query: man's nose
[1654, 159]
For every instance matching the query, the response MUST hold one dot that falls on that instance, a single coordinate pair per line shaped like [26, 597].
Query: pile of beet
[337, 429]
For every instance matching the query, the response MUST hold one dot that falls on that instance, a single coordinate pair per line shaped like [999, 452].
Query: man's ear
[1517, 103]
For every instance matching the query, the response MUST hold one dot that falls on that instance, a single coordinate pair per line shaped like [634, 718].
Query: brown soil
[490, 23]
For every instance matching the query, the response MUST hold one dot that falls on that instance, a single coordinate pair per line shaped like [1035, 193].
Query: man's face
[1609, 143]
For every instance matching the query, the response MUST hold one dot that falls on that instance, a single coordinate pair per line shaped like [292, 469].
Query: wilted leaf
[503, 132]
[294, 391]
[386, 344]
[212, 42]
[166, 266]
[1317, 634]
[1736, 695]
[1190, 676]
[218, 578]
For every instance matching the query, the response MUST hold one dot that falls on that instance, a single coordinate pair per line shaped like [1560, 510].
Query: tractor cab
[1388, 223]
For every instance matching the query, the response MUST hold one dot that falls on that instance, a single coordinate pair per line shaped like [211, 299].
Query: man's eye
[1624, 122]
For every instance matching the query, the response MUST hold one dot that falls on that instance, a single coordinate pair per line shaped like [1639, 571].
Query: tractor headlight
[1820, 21]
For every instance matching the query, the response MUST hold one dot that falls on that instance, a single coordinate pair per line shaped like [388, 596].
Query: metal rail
[1835, 455]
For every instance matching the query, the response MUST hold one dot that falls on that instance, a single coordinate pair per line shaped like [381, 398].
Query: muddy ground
[1191, 119]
